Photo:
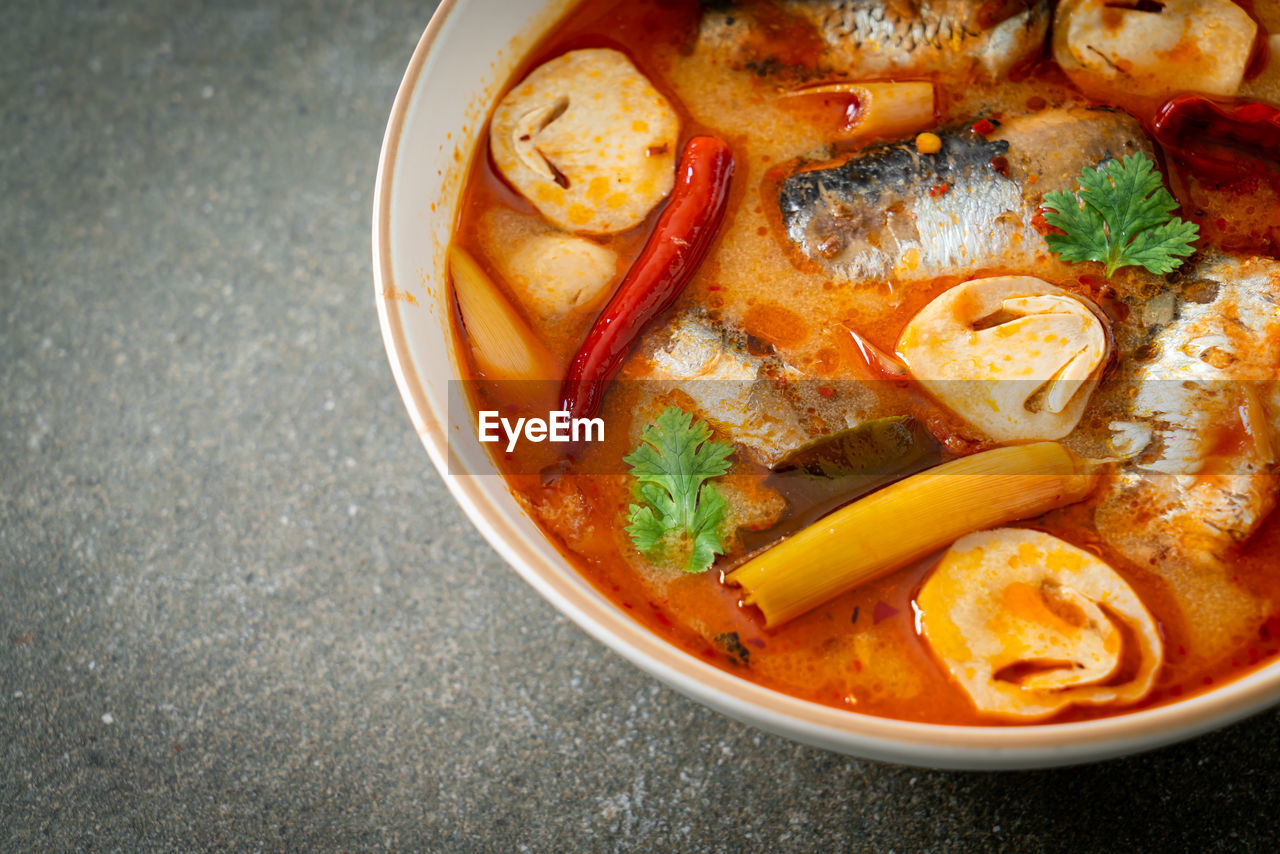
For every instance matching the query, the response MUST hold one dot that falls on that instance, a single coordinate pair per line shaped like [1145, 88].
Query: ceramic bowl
[467, 52]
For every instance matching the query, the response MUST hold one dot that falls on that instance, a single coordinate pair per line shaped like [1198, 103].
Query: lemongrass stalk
[885, 108]
[504, 346]
[907, 521]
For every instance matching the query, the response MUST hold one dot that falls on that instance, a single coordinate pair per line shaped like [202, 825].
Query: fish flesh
[892, 214]
[869, 38]
[766, 406]
[1197, 433]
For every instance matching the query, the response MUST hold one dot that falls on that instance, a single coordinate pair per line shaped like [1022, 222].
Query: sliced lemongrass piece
[907, 521]
[504, 346]
[880, 108]
[880, 363]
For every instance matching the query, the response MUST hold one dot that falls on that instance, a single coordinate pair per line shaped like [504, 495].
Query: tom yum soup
[899, 356]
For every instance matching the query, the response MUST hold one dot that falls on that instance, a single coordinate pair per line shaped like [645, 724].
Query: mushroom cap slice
[553, 274]
[1014, 356]
[1112, 51]
[1028, 624]
[561, 273]
[588, 140]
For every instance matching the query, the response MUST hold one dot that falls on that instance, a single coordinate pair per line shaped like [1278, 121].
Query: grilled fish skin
[891, 214]
[867, 38]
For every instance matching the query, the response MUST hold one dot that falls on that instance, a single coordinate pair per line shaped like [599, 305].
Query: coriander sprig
[680, 512]
[1121, 216]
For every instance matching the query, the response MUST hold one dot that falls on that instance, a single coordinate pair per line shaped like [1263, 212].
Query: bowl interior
[465, 55]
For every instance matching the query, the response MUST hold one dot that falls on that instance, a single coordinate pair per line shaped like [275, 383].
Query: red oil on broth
[863, 650]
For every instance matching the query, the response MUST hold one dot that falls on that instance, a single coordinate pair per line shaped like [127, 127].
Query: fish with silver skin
[758, 401]
[868, 38]
[892, 214]
[1195, 418]
[1202, 417]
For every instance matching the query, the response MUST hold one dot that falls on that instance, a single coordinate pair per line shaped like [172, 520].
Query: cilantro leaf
[679, 511]
[645, 529]
[1121, 216]
[1156, 248]
[1085, 238]
[707, 542]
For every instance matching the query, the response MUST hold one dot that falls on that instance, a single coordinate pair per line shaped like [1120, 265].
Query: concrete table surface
[238, 608]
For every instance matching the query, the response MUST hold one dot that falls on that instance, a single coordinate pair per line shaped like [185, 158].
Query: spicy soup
[873, 302]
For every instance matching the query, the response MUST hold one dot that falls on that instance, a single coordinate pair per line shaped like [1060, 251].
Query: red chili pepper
[983, 127]
[1210, 135]
[665, 265]
[1041, 225]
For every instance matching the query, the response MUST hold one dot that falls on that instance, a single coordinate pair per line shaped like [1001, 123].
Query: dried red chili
[666, 263]
[984, 127]
[1219, 138]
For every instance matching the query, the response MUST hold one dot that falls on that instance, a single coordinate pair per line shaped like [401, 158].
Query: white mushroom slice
[1028, 625]
[588, 140]
[553, 274]
[1119, 49]
[559, 273]
[1014, 356]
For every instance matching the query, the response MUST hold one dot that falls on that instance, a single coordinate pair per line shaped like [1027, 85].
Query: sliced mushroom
[560, 273]
[554, 274]
[1028, 624]
[1014, 356]
[588, 140]
[1119, 49]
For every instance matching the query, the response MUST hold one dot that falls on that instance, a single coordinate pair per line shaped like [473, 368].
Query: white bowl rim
[885, 739]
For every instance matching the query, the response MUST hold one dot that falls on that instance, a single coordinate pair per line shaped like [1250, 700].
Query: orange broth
[861, 651]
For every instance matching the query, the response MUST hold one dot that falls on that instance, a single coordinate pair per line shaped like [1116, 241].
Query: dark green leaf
[680, 512]
[1122, 216]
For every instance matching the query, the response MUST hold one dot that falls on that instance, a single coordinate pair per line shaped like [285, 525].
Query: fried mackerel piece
[893, 214]
[866, 38]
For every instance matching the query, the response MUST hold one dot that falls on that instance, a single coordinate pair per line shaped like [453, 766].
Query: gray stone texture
[238, 608]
